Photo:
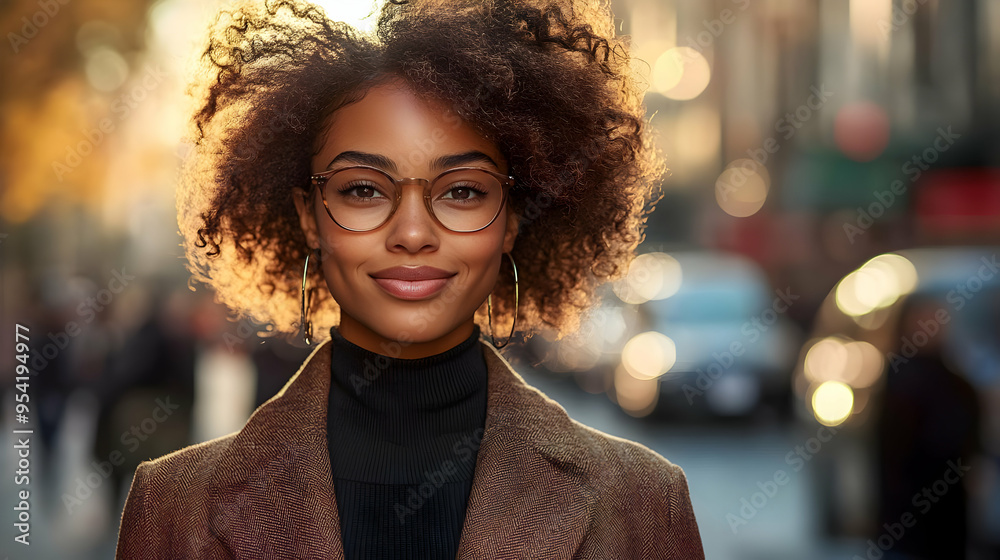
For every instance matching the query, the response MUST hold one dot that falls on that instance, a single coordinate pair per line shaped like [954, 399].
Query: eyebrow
[442, 162]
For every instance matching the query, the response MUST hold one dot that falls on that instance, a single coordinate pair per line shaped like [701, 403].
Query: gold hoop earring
[489, 308]
[305, 324]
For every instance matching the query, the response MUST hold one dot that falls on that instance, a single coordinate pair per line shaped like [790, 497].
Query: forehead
[392, 121]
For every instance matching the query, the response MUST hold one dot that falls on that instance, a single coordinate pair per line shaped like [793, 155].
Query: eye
[465, 191]
[365, 189]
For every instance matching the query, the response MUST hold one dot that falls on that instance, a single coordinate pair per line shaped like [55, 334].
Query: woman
[404, 172]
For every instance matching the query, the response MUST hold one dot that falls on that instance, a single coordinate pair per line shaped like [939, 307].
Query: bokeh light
[876, 284]
[578, 355]
[826, 360]
[637, 397]
[856, 363]
[667, 71]
[697, 133]
[106, 69]
[681, 73]
[651, 276]
[832, 402]
[741, 191]
[751, 167]
[649, 355]
[861, 130]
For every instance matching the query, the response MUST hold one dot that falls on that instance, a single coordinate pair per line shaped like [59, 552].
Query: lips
[412, 283]
[412, 273]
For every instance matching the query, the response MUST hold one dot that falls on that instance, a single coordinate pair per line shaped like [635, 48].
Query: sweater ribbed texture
[403, 436]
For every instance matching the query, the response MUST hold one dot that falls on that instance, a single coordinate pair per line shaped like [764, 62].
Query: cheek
[482, 255]
[337, 243]
[343, 254]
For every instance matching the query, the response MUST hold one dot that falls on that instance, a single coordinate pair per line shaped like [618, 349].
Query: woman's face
[407, 137]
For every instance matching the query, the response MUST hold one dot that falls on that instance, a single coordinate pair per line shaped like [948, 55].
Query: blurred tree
[57, 52]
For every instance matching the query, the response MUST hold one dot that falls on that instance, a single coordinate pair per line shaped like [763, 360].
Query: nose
[412, 228]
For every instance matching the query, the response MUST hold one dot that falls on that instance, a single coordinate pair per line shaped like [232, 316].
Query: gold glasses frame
[319, 180]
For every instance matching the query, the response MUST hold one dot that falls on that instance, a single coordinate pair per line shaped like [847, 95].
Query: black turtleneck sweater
[403, 436]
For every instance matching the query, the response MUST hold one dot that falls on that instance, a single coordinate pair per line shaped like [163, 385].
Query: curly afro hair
[548, 82]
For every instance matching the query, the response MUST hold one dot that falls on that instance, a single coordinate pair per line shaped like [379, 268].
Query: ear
[305, 206]
[513, 223]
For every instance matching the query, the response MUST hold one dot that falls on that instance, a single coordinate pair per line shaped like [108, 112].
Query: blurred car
[862, 312]
[734, 343]
[876, 318]
[693, 335]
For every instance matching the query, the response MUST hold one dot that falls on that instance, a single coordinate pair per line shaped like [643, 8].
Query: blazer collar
[272, 490]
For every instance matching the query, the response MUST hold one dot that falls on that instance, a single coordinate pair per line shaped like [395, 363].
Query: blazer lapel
[528, 496]
[272, 494]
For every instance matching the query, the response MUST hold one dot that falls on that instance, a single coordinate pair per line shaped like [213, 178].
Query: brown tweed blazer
[545, 486]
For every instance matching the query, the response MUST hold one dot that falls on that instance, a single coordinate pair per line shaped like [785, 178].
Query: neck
[365, 337]
[401, 418]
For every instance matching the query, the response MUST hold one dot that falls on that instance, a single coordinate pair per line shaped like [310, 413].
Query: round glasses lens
[466, 199]
[359, 198]
[462, 200]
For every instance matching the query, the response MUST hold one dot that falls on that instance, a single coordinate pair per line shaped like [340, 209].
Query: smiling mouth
[412, 289]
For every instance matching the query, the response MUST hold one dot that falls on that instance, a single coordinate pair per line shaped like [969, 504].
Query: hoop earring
[489, 308]
[307, 330]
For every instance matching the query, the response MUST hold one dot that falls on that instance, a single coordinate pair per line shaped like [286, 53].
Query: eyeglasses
[461, 199]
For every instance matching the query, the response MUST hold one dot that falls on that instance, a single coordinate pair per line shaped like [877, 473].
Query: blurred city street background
[810, 330]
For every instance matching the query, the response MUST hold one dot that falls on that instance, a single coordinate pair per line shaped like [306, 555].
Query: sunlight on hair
[358, 14]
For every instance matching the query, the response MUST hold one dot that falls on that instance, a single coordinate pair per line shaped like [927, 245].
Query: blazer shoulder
[625, 457]
[593, 452]
[166, 493]
[200, 457]
[642, 494]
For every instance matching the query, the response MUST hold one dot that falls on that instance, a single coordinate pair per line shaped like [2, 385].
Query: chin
[410, 327]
